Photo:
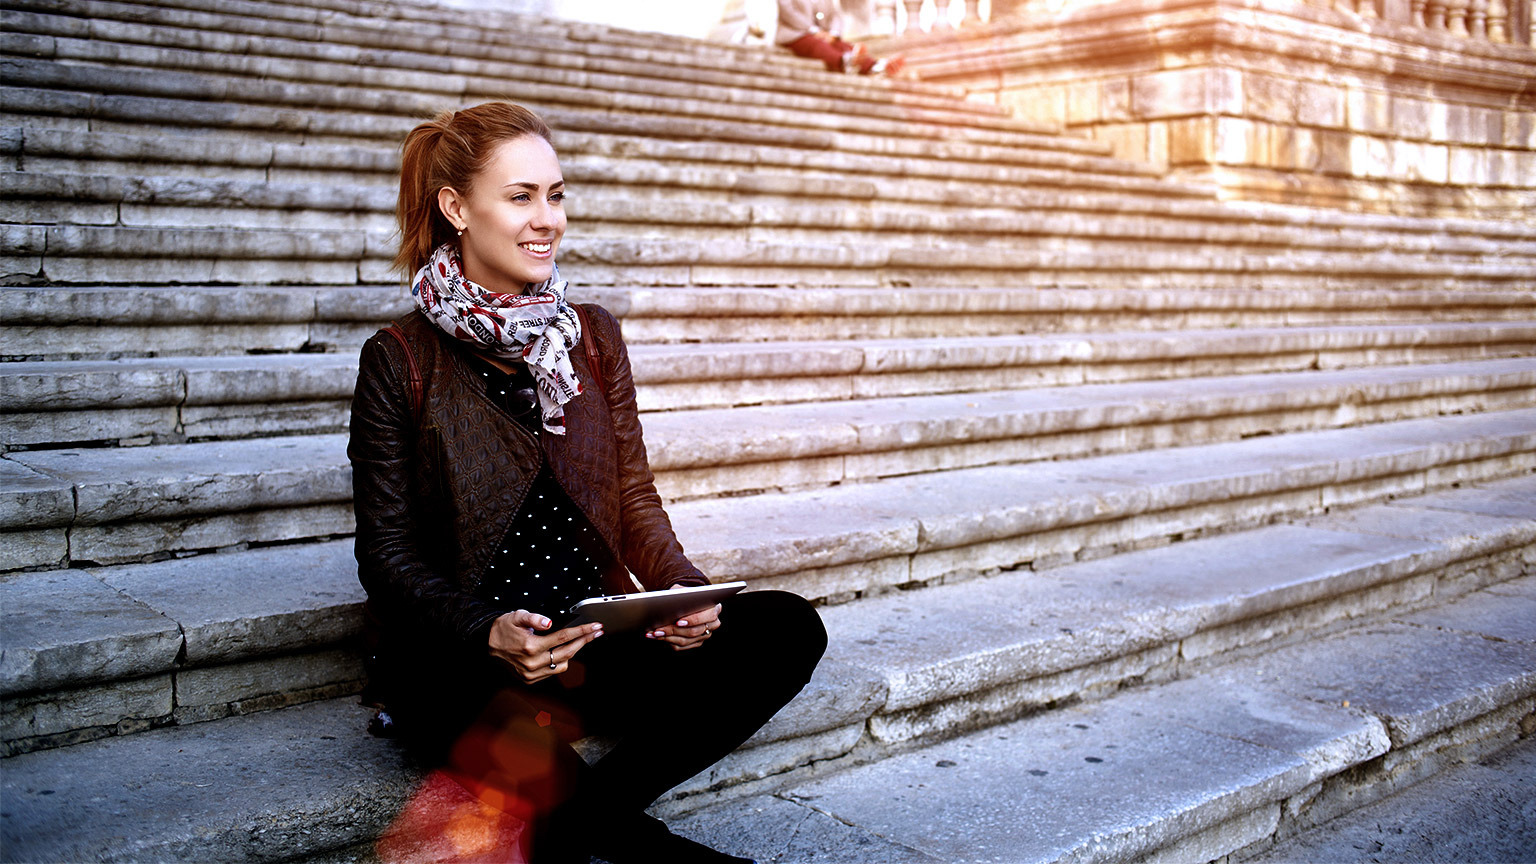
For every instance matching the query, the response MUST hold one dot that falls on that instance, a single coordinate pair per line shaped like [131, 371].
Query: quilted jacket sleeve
[649, 547]
[390, 527]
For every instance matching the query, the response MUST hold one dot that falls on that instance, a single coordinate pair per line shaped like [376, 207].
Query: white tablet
[647, 609]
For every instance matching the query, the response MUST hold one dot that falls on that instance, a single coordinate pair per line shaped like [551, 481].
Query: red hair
[449, 150]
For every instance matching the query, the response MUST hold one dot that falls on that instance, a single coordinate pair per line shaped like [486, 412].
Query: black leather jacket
[436, 491]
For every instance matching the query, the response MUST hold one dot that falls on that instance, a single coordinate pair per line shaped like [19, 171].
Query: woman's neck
[504, 365]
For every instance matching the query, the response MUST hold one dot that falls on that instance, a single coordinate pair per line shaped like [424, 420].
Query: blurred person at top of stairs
[474, 429]
[813, 28]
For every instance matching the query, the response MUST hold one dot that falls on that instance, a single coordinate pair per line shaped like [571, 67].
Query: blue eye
[557, 197]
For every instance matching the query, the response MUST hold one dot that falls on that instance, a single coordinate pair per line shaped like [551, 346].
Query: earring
[461, 232]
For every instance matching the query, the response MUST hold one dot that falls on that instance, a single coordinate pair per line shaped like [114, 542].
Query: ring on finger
[551, 659]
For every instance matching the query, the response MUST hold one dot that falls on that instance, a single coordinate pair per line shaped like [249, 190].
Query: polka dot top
[548, 561]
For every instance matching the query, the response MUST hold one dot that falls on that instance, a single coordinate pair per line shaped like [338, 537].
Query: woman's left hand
[689, 631]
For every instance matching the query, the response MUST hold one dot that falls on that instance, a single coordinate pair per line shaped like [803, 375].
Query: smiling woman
[499, 478]
[515, 208]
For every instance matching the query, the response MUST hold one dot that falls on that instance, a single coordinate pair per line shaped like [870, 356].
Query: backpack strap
[383, 724]
[410, 361]
[588, 341]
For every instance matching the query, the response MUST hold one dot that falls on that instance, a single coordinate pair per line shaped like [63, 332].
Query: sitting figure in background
[813, 28]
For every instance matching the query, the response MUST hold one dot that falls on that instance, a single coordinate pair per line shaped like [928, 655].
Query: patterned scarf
[537, 327]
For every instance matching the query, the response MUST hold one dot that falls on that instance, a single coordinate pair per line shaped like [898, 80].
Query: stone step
[1238, 756]
[595, 159]
[866, 537]
[91, 254]
[127, 320]
[95, 199]
[595, 156]
[145, 46]
[177, 641]
[196, 631]
[484, 34]
[164, 400]
[713, 452]
[70, 507]
[1472, 811]
[113, 322]
[202, 398]
[738, 315]
[48, 89]
[1438, 564]
[656, 170]
[673, 377]
[973, 653]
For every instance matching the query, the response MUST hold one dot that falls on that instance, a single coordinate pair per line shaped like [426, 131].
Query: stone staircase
[896, 351]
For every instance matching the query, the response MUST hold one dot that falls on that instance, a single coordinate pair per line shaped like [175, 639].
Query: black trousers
[673, 713]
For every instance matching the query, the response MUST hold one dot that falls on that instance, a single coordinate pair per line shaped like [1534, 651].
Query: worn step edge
[815, 445]
[177, 641]
[67, 199]
[848, 368]
[19, 770]
[43, 88]
[476, 38]
[1065, 632]
[54, 403]
[273, 58]
[70, 253]
[131, 303]
[1309, 755]
[377, 158]
[1006, 516]
[116, 512]
[165, 617]
[107, 490]
[744, 454]
[167, 330]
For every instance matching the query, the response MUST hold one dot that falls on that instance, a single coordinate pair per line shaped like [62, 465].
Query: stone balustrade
[1500, 21]
[947, 14]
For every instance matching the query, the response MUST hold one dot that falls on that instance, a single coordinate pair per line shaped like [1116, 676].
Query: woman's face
[513, 217]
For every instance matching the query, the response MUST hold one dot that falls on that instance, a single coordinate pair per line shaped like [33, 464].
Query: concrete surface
[1478, 813]
[261, 787]
[1417, 680]
[261, 625]
[1205, 766]
[1194, 769]
[64, 628]
[242, 605]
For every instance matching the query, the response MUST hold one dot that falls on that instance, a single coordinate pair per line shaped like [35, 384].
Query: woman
[496, 484]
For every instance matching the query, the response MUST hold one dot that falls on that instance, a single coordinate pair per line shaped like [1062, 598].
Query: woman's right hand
[515, 639]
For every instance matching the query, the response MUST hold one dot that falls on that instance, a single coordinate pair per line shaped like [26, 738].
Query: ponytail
[449, 150]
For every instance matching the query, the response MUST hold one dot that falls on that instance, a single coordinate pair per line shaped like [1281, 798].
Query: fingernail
[544, 624]
[683, 623]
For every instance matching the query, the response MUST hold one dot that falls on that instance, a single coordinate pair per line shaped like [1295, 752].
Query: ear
[451, 203]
